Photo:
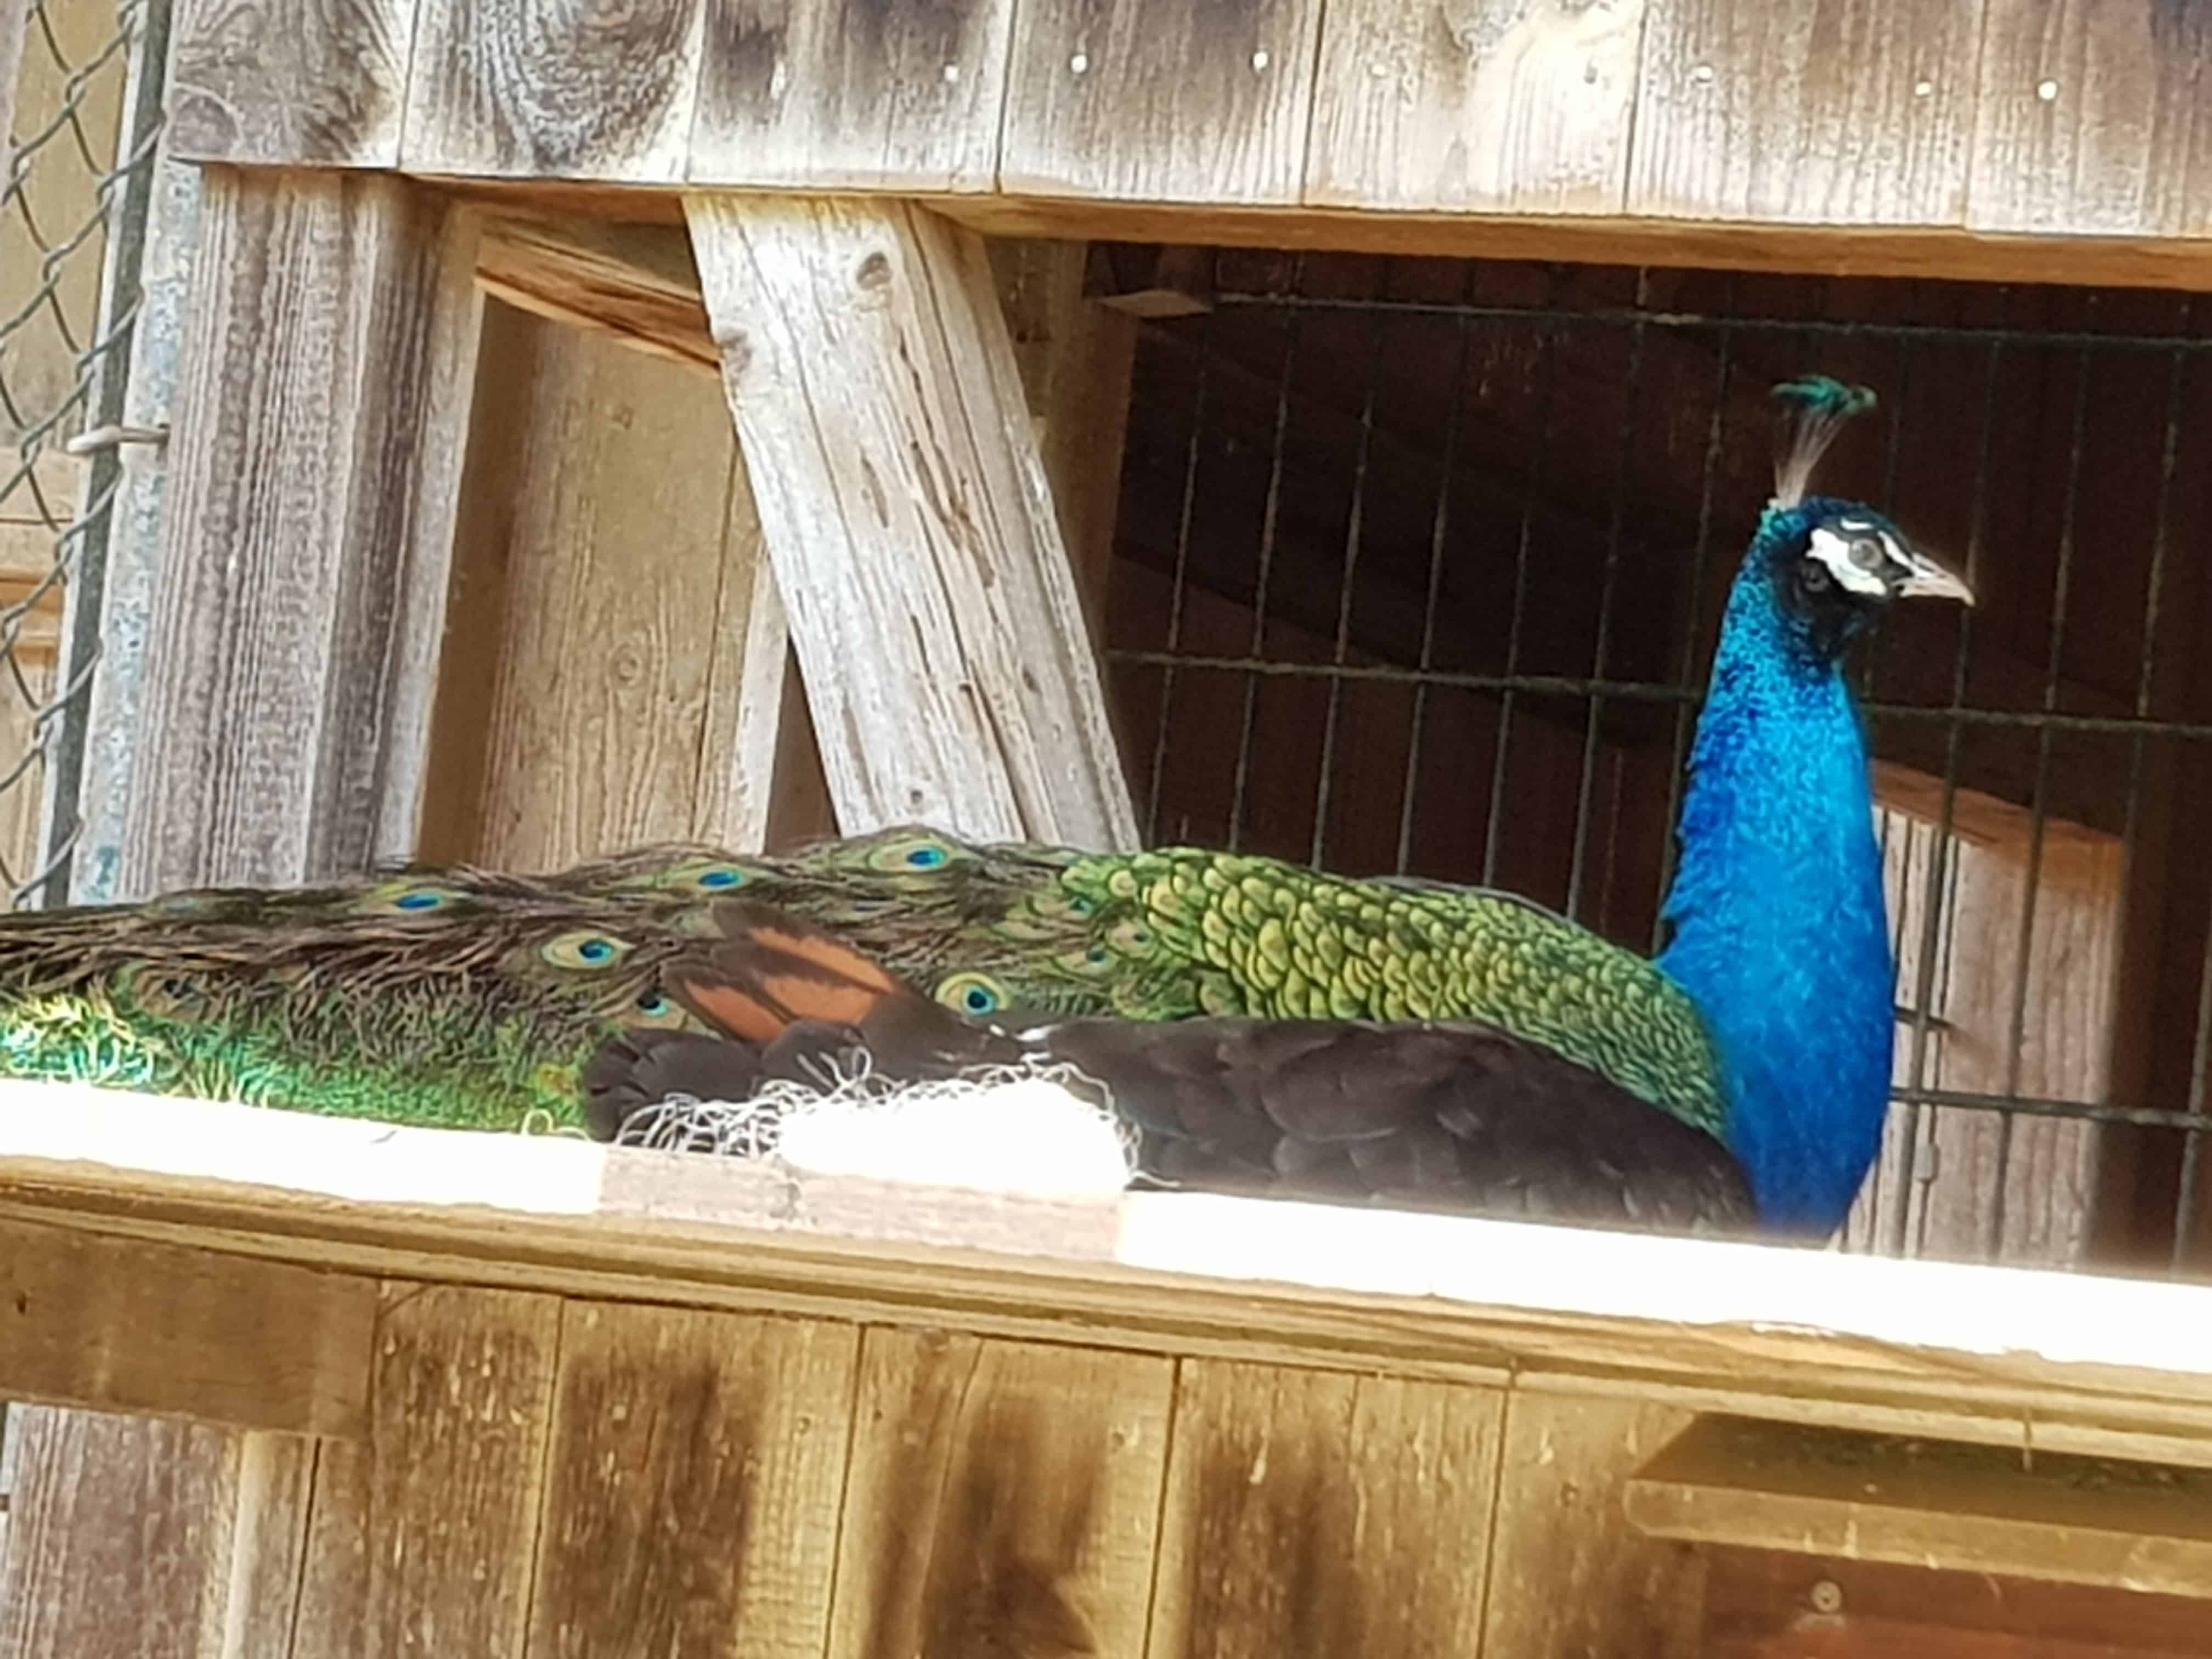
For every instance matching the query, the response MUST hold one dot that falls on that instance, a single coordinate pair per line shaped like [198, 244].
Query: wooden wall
[1683, 119]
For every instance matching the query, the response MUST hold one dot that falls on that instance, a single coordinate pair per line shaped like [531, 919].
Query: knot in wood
[1827, 1596]
[737, 348]
[874, 273]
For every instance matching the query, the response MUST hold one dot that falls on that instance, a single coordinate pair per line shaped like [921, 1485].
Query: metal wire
[72, 215]
[1519, 403]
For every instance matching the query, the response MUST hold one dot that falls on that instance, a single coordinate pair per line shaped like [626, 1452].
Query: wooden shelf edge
[1948, 252]
[1371, 1290]
[1913, 1501]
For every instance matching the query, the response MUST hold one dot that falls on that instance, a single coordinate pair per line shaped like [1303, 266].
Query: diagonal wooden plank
[907, 515]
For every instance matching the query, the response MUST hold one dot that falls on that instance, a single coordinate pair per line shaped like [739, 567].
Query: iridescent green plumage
[472, 1000]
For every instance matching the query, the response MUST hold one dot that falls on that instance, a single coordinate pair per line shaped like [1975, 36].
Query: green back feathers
[469, 999]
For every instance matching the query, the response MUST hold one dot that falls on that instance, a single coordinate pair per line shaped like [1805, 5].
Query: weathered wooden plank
[121, 1325]
[1807, 111]
[1492, 104]
[1566, 1577]
[1763, 1605]
[422, 1538]
[1002, 1495]
[2093, 118]
[598, 565]
[516, 88]
[852, 94]
[117, 1563]
[1922, 1503]
[1312, 1512]
[295, 83]
[1160, 101]
[14, 14]
[635, 283]
[908, 521]
[695, 1460]
[321, 412]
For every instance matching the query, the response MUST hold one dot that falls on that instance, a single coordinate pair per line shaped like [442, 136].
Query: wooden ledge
[2108, 1365]
[1927, 1503]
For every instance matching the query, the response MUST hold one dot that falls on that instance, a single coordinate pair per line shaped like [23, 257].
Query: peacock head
[1832, 568]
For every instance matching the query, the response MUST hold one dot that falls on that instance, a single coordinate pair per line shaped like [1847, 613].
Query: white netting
[1014, 1128]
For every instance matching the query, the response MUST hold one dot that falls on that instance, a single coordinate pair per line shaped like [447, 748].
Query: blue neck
[1779, 933]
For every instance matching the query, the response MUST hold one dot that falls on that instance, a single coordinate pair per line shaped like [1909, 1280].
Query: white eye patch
[1857, 557]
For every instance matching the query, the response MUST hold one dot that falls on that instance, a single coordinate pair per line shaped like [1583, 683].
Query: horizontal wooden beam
[1926, 1502]
[635, 283]
[123, 1325]
[2116, 1367]
[1985, 115]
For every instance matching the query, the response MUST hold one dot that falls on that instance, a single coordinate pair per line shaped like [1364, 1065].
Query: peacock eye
[584, 950]
[415, 902]
[720, 878]
[407, 899]
[973, 994]
[926, 858]
[1865, 552]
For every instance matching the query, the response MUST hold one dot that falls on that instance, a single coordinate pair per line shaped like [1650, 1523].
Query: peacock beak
[1924, 579]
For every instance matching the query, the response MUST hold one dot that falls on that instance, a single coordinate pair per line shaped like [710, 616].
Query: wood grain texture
[636, 284]
[695, 1460]
[852, 94]
[2093, 119]
[600, 560]
[1760, 1604]
[1488, 105]
[564, 88]
[1003, 1498]
[422, 1537]
[289, 83]
[1824, 111]
[908, 521]
[321, 407]
[1311, 1514]
[1160, 101]
[124, 1326]
[1735, 1480]
[132, 1560]
[1567, 1579]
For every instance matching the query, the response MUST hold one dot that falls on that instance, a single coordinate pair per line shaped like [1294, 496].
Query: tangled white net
[1011, 1128]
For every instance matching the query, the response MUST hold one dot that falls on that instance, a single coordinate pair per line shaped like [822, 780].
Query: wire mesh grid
[1421, 565]
[72, 209]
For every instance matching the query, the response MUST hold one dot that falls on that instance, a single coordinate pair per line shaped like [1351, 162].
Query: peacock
[1742, 1073]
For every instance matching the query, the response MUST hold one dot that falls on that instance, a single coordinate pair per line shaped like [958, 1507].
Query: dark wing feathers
[1457, 1116]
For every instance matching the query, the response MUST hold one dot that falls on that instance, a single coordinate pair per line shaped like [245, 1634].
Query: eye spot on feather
[907, 855]
[588, 951]
[411, 898]
[713, 877]
[651, 1008]
[973, 994]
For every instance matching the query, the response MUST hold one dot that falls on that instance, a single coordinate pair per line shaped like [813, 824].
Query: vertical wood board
[609, 541]
[852, 94]
[1819, 112]
[422, 1538]
[321, 406]
[129, 1562]
[1569, 1579]
[1160, 101]
[564, 90]
[1002, 1497]
[908, 521]
[2095, 118]
[1519, 105]
[696, 1460]
[1312, 1514]
[289, 81]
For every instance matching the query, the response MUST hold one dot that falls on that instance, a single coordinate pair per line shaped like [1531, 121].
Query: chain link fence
[86, 123]
[72, 224]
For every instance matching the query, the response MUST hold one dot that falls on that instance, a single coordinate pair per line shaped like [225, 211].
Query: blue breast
[1778, 926]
